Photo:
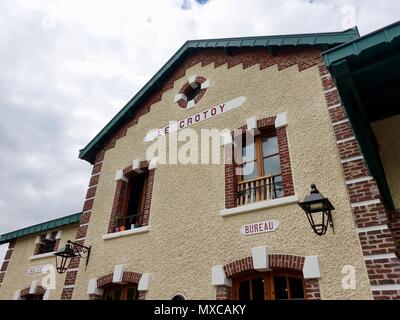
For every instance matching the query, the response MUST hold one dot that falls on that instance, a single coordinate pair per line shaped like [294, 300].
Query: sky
[67, 67]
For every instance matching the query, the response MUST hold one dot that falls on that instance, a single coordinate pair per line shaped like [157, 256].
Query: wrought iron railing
[131, 221]
[263, 188]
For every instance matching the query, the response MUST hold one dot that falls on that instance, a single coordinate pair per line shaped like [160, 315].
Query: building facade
[169, 216]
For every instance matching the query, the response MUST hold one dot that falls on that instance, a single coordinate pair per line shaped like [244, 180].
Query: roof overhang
[41, 227]
[324, 40]
[367, 74]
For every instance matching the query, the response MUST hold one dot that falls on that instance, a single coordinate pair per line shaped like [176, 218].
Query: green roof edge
[358, 45]
[40, 227]
[309, 39]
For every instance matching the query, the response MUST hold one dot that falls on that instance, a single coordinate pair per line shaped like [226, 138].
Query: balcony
[259, 189]
[129, 222]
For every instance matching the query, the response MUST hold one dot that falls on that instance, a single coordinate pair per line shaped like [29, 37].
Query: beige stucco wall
[17, 277]
[387, 133]
[188, 236]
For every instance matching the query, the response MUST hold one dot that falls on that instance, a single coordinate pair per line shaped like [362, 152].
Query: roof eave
[89, 152]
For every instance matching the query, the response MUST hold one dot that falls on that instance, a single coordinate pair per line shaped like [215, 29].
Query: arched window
[178, 297]
[275, 285]
[121, 292]
[33, 297]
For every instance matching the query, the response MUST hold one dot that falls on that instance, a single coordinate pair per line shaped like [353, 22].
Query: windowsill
[42, 255]
[266, 204]
[126, 233]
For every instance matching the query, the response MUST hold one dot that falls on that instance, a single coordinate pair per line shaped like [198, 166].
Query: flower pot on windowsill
[116, 229]
[122, 228]
[135, 226]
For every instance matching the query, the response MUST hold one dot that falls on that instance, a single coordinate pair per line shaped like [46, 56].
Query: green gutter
[313, 39]
[357, 46]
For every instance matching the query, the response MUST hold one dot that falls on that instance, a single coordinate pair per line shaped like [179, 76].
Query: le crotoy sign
[259, 227]
[199, 117]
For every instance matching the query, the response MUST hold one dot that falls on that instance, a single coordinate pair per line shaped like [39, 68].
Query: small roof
[366, 73]
[41, 227]
[359, 45]
[327, 39]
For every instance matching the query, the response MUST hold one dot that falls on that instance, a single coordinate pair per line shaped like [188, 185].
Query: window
[33, 297]
[269, 286]
[178, 297]
[193, 91]
[260, 177]
[121, 292]
[134, 205]
[47, 243]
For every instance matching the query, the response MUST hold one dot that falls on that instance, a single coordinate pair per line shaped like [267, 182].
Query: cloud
[67, 67]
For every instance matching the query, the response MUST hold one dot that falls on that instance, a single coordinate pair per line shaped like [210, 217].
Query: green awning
[367, 74]
[41, 227]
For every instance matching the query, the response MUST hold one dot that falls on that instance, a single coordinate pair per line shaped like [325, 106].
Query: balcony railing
[131, 221]
[263, 188]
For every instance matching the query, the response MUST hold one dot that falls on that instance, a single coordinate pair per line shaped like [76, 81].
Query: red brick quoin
[80, 235]
[6, 261]
[286, 169]
[276, 261]
[380, 240]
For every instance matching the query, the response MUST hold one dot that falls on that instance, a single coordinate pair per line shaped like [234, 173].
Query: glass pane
[249, 171]
[109, 295]
[296, 288]
[277, 187]
[117, 294]
[272, 166]
[131, 294]
[244, 290]
[249, 152]
[270, 146]
[281, 290]
[258, 289]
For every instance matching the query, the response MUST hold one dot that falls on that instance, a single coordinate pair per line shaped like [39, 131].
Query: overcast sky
[67, 67]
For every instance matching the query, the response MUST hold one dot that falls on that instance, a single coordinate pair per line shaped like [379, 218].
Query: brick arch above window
[128, 277]
[285, 262]
[25, 293]
[276, 261]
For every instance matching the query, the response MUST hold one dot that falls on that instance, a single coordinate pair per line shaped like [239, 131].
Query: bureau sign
[259, 227]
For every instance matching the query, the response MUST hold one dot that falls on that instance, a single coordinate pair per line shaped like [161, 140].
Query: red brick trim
[223, 293]
[230, 178]
[127, 277]
[284, 156]
[66, 293]
[381, 240]
[394, 225]
[6, 260]
[39, 291]
[186, 88]
[70, 278]
[121, 191]
[83, 226]
[313, 291]
[283, 58]
[276, 261]
[386, 295]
